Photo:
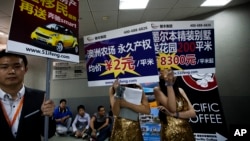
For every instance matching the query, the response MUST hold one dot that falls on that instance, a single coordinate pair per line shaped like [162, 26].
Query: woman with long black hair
[174, 109]
[124, 128]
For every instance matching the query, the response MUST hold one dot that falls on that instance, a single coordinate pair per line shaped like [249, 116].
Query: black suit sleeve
[33, 101]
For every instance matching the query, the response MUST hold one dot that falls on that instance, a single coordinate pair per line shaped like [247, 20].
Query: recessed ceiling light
[133, 4]
[215, 2]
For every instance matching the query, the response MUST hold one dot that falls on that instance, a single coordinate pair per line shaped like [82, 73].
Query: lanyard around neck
[15, 115]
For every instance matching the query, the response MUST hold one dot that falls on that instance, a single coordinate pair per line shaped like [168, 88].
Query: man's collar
[19, 94]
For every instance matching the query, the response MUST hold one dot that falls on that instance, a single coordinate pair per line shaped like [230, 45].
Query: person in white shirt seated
[81, 123]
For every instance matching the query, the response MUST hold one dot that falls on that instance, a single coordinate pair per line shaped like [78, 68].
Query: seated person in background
[99, 124]
[63, 117]
[81, 123]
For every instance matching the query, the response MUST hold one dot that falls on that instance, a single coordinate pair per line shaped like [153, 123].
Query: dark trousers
[104, 133]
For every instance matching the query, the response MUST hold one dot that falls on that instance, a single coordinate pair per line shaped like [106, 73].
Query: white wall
[36, 74]
[71, 88]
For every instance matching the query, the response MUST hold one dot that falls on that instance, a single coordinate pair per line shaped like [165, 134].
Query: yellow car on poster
[57, 36]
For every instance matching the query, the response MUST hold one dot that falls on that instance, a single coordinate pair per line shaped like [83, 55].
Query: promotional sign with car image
[57, 36]
[46, 29]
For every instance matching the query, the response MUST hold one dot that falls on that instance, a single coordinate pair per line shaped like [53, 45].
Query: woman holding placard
[174, 109]
[126, 109]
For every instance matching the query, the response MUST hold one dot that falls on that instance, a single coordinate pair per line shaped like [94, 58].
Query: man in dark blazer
[22, 109]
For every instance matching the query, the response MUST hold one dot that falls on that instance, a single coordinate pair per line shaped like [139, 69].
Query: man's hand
[78, 134]
[93, 133]
[48, 107]
[64, 118]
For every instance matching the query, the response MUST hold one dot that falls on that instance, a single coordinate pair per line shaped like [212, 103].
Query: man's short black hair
[63, 100]
[99, 107]
[81, 107]
[3, 53]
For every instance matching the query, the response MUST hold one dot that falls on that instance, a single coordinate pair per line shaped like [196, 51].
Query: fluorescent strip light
[1, 33]
[215, 2]
[133, 4]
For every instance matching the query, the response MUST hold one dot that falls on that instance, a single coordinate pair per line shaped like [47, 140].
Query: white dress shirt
[11, 106]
